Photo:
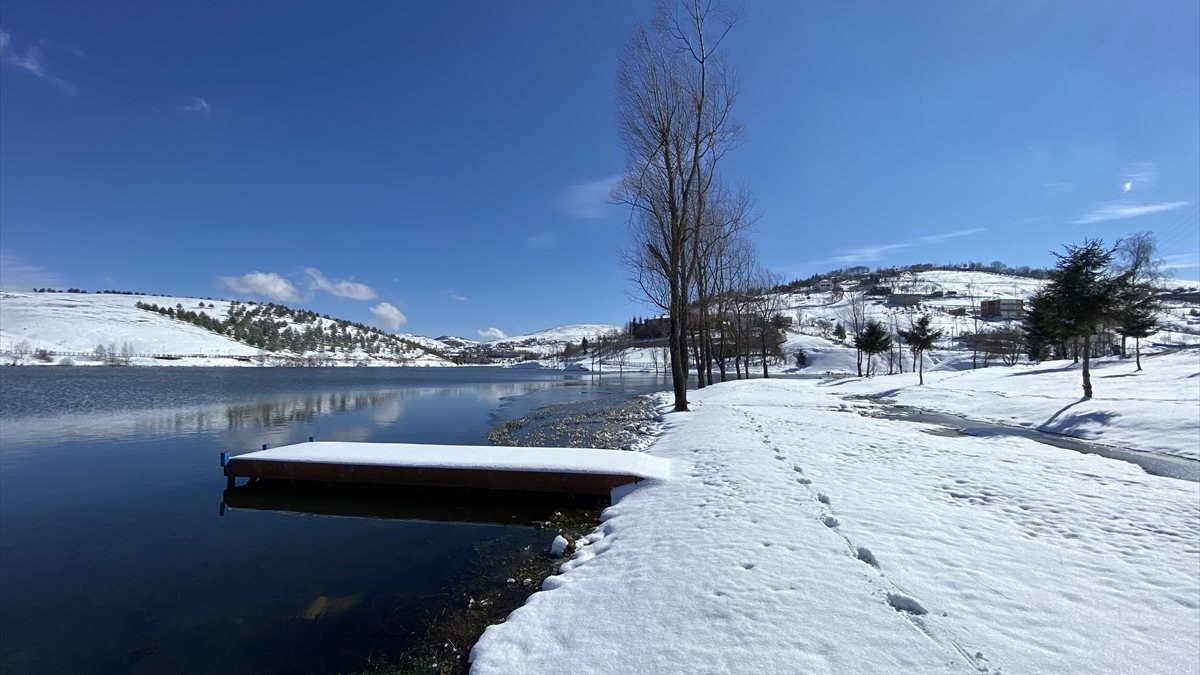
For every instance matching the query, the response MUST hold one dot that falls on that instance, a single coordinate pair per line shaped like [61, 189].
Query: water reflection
[112, 555]
[272, 420]
[443, 505]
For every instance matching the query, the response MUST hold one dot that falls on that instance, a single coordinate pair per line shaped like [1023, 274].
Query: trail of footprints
[901, 602]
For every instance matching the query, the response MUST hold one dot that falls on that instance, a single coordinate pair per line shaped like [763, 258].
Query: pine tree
[1137, 316]
[1083, 295]
[920, 339]
[872, 340]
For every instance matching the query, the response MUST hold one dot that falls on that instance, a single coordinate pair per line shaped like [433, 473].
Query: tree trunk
[764, 353]
[920, 368]
[679, 373]
[1087, 360]
[1137, 347]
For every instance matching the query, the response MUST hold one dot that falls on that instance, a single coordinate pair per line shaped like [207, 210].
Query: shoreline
[501, 581]
[796, 526]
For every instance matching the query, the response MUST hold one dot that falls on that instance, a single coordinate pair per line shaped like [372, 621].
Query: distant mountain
[552, 340]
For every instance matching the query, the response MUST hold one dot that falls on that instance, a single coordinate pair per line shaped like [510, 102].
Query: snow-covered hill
[552, 340]
[73, 325]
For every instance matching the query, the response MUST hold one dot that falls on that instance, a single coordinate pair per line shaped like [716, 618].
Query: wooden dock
[582, 471]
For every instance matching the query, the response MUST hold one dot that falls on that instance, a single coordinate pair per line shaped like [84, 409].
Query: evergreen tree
[1137, 317]
[1081, 295]
[871, 340]
[920, 339]
[1043, 333]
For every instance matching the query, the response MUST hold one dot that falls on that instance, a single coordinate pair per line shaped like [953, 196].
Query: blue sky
[448, 163]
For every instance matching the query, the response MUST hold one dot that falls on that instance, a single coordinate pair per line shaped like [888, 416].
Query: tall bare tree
[854, 317]
[675, 98]
[768, 306]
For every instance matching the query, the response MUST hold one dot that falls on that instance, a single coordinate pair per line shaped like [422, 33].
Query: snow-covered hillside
[72, 326]
[951, 299]
[552, 340]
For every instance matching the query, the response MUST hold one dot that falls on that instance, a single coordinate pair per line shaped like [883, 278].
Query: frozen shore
[801, 536]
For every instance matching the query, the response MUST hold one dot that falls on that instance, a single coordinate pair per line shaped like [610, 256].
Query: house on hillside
[1002, 308]
[825, 285]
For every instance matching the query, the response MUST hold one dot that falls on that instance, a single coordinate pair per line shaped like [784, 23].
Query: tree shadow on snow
[1042, 371]
[1077, 421]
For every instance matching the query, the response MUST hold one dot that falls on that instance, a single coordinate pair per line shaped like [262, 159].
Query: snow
[75, 323]
[493, 458]
[558, 546]
[551, 341]
[1155, 410]
[799, 535]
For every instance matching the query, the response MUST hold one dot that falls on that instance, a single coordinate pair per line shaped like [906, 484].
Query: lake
[118, 556]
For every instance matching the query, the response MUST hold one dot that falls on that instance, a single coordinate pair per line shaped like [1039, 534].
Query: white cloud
[388, 316]
[938, 238]
[589, 199]
[18, 275]
[265, 284]
[491, 333]
[866, 253]
[543, 240]
[1139, 173]
[31, 62]
[1179, 262]
[875, 252]
[197, 105]
[1120, 210]
[338, 288]
[457, 297]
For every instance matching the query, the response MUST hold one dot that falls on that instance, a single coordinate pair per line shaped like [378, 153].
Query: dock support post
[224, 459]
[264, 446]
[230, 482]
[310, 439]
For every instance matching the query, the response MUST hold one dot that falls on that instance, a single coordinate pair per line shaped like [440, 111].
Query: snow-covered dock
[562, 470]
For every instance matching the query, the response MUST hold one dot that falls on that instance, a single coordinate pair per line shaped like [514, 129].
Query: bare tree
[767, 306]
[675, 96]
[854, 317]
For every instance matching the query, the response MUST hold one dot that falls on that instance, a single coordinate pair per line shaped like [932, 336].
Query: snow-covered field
[1155, 410]
[798, 535]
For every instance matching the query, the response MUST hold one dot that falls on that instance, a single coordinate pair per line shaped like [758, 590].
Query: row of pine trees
[277, 328]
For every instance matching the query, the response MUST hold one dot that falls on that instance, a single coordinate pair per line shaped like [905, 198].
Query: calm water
[114, 557]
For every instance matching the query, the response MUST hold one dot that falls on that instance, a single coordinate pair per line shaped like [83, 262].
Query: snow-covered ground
[551, 341]
[74, 324]
[1155, 410]
[798, 535]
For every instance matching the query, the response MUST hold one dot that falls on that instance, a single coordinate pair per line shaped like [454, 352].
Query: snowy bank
[799, 536]
[1155, 410]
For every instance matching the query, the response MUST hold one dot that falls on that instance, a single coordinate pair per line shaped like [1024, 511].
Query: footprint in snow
[864, 554]
[823, 498]
[804, 481]
[904, 603]
[830, 521]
